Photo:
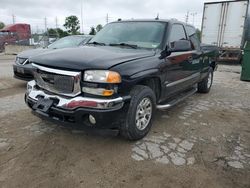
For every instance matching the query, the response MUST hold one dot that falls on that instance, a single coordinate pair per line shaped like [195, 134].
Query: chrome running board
[175, 101]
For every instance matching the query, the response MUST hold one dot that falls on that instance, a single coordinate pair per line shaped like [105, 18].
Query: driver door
[179, 64]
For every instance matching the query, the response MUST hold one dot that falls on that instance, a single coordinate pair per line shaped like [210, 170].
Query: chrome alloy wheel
[143, 113]
[209, 82]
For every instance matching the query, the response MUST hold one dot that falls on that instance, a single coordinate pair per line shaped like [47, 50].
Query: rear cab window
[193, 36]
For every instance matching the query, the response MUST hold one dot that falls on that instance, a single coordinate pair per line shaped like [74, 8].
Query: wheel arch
[153, 83]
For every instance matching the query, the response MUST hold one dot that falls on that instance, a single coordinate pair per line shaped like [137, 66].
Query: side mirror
[177, 46]
[180, 46]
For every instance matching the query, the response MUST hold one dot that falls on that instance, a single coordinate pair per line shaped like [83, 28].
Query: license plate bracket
[43, 105]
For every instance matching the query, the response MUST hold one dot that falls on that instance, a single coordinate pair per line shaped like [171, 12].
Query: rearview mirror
[180, 46]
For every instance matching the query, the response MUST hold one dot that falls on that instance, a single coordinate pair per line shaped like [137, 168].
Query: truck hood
[90, 57]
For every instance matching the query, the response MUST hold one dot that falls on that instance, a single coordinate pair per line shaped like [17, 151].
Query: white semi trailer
[225, 25]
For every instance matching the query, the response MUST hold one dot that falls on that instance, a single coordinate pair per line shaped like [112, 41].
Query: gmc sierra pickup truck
[118, 80]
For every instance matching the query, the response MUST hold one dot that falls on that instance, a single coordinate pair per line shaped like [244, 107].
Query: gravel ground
[202, 142]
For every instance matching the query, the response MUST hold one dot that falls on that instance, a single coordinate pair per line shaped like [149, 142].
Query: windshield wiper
[97, 43]
[125, 44]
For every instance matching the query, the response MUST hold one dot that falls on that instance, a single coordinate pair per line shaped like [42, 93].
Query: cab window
[177, 33]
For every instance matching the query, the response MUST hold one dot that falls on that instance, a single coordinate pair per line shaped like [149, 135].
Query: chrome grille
[67, 83]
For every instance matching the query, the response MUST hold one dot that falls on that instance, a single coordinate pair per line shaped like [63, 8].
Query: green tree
[98, 27]
[52, 32]
[62, 33]
[92, 31]
[72, 24]
[2, 25]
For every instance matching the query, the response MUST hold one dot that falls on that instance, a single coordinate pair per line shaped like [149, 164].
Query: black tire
[130, 130]
[204, 86]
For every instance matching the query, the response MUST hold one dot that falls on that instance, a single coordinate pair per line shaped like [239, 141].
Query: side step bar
[177, 100]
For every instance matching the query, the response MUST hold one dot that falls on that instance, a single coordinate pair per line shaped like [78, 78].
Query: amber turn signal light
[113, 77]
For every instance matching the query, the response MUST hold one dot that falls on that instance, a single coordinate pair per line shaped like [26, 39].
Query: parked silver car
[23, 69]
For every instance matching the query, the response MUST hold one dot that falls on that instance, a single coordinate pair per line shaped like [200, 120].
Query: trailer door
[233, 24]
[211, 24]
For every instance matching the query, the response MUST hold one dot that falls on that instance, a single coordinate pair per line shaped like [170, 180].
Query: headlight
[21, 61]
[102, 76]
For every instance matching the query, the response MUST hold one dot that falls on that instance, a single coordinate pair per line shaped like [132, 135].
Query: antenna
[157, 17]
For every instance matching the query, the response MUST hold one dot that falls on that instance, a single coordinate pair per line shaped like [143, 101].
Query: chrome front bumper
[75, 102]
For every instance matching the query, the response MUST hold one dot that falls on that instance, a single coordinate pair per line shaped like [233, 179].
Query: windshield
[3, 33]
[67, 42]
[142, 34]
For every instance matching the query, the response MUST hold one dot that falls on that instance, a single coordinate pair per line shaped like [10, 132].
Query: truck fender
[145, 73]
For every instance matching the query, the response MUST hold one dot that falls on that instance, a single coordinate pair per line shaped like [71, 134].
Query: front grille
[54, 82]
[67, 83]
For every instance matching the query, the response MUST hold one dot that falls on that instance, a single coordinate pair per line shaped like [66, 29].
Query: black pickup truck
[118, 80]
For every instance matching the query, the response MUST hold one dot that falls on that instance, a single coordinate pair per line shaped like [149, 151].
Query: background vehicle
[225, 24]
[23, 69]
[126, 71]
[15, 34]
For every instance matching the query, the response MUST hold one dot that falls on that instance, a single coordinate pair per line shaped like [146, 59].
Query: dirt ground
[202, 142]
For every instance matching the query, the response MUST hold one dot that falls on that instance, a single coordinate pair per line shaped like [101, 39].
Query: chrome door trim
[182, 80]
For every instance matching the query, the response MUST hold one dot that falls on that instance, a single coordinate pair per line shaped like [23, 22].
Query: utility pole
[13, 18]
[187, 16]
[46, 35]
[193, 14]
[81, 16]
[56, 23]
[45, 25]
[57, 27]
[107, 18]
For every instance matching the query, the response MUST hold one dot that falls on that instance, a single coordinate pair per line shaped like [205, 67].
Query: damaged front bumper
[107, 113]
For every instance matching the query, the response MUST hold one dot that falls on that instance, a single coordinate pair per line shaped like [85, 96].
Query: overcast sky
[95, 11]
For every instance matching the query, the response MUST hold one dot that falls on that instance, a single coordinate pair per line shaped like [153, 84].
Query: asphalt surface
[202, 142]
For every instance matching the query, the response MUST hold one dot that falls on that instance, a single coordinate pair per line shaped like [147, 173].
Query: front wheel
[140, 114]
[205, 85]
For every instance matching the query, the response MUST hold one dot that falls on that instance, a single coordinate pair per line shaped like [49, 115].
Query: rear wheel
[140, 114]
[205, 85]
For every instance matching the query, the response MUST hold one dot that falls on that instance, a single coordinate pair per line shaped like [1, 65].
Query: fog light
[92, 119]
